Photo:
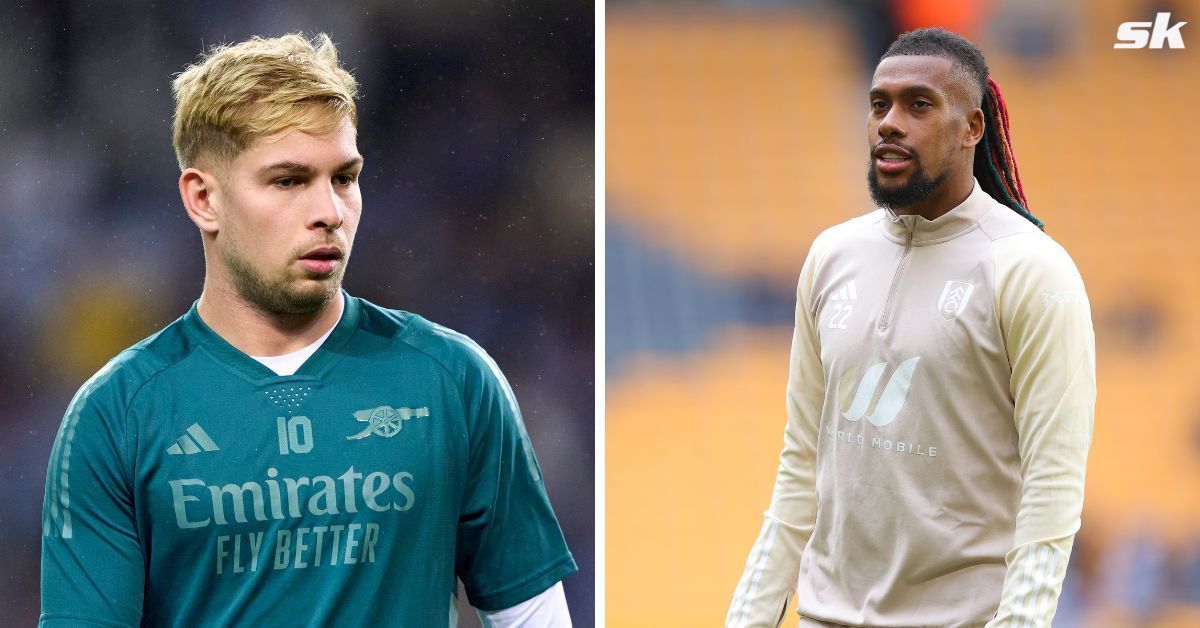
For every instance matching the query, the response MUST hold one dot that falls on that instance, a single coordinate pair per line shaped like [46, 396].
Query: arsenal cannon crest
[385, 421]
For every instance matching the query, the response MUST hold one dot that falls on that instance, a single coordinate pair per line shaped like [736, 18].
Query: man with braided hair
[942, 380]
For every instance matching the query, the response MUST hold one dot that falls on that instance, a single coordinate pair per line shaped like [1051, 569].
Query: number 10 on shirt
[295, 435]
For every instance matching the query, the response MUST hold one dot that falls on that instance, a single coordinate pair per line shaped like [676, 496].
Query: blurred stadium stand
[477, 128]
[735, 135]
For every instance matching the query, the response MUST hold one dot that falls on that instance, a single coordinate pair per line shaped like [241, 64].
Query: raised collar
[962, 219]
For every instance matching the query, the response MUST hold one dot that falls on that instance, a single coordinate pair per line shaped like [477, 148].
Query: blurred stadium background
[735, 133]
[477, 126]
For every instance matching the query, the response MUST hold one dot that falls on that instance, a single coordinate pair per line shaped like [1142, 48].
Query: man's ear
[975, 128]
[199, 191]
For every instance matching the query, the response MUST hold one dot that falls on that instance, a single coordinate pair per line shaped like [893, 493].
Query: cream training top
[940, 401]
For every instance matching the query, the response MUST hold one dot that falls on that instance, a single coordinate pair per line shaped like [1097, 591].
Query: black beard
[918, 187]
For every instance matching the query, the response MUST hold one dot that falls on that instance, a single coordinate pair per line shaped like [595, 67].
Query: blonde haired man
[285, 453]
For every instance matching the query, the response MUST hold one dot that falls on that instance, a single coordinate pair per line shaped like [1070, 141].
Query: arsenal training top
[191, 485]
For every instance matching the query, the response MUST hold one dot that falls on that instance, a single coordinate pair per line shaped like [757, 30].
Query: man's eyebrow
[908, 90]
[299, 168]
[288, 166]
[350, 163]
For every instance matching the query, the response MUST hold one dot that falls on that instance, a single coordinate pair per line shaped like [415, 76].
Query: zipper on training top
[887, 305]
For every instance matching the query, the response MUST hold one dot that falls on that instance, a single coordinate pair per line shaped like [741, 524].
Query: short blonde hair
[259, 87]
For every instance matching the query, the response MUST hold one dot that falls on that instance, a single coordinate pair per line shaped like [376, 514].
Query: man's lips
[323, 252]
[322, 260]
[890, 158]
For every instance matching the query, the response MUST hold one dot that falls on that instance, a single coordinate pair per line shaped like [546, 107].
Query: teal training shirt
[190, 485]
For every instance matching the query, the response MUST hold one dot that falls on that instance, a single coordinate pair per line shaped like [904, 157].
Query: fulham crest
[954, 299]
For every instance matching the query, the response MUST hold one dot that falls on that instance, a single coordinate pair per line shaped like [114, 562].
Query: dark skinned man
[941, 386]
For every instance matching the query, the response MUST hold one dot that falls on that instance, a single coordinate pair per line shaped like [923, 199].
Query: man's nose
[891, 125]
[327, 209]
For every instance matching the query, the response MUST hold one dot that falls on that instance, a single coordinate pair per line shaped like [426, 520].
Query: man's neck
[256, 332]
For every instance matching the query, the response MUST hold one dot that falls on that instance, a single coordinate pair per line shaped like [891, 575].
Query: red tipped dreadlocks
[995, 163]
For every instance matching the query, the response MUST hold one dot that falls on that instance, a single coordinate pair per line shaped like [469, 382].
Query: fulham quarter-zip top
[940, 402]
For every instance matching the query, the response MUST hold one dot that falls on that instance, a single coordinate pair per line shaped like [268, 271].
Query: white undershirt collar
[289, 363]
